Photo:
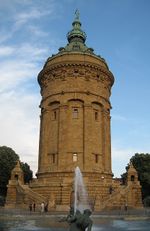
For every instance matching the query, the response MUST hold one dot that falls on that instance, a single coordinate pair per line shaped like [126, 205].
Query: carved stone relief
[75, 71]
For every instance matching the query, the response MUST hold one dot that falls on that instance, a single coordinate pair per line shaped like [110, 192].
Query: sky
[33, 30]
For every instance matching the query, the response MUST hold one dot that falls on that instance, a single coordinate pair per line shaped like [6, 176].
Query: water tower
[75, 115]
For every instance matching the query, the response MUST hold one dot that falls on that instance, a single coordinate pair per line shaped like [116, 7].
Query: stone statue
[80, 222]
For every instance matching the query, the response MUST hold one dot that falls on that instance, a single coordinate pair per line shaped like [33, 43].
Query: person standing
[34, 205]
[30, 207]
[42, 207]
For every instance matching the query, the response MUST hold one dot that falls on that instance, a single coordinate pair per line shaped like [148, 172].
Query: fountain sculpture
[81, 201]
[80, 220]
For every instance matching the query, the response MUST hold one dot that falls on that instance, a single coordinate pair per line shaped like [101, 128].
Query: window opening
[75, 157]
[96, 115]
[16, 176]
[132, 178]
[55, 115]
[75, 113]
[96, 158]
[53, 158]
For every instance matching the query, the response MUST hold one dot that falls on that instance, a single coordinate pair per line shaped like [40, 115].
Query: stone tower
[75, 109]
[75, 112]
[75, 131]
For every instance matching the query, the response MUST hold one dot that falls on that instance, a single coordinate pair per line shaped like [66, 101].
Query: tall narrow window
[53, 158]
[75, 157]
[55, 115]
[96, 115]
[75, 113]
[96, 158]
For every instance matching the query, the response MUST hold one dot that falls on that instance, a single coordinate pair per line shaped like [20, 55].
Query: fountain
[80, 219]
[81, 201]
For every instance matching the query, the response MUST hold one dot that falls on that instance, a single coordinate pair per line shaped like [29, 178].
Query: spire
[76, 34]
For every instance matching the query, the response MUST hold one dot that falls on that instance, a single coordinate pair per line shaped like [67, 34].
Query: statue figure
[77, 14]
[81, 222]
[69, 216]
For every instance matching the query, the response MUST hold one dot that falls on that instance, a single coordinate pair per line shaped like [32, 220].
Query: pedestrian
[30, 207]
[126, 206]
[34, 205]
[42, 207]
[46, 207]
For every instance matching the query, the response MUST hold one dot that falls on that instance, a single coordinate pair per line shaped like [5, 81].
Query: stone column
[63, 137]
[87, 136]
[107, 141]
[43, 140]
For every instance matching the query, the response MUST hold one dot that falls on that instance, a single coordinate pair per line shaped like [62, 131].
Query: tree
[8, 160]
[28, 174]
[141, 162]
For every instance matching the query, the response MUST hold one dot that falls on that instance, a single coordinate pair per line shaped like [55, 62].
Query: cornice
[63, 70]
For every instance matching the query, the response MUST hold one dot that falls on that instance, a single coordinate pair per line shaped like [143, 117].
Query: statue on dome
[77, 14]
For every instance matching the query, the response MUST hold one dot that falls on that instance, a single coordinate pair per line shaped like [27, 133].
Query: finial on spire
[77, 14]
[76, 34]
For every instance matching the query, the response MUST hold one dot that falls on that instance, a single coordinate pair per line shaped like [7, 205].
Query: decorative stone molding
[78, 70]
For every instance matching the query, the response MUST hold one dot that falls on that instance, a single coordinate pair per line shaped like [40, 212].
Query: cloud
[121, 157]
[6, 51]
[20, 61]
[20, 64]
[118, 117]
[19, 121]
[19, 99]
[22, 16]
[37, 31]
[28, 16]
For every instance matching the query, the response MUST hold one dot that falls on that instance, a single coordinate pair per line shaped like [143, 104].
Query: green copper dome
[76, 34]
[76, 41]
[76, 38]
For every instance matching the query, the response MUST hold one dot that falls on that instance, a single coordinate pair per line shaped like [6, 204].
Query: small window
[75, 157]
[54, 115]
[16, 177]
[75, 113]
[53, 158]
[96, 115]
[132, 178]
[96, 158]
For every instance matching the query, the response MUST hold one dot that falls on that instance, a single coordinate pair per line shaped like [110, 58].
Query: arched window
[132, 178]
[16, 177]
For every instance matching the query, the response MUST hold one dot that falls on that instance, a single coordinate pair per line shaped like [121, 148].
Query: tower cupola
[76, 34]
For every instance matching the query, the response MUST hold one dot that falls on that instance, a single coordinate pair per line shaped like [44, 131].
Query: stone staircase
[29, 195]
[116, 199]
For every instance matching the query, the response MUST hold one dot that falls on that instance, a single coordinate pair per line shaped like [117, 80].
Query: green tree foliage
[28, 174]
[8, 160]
[141, 162]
